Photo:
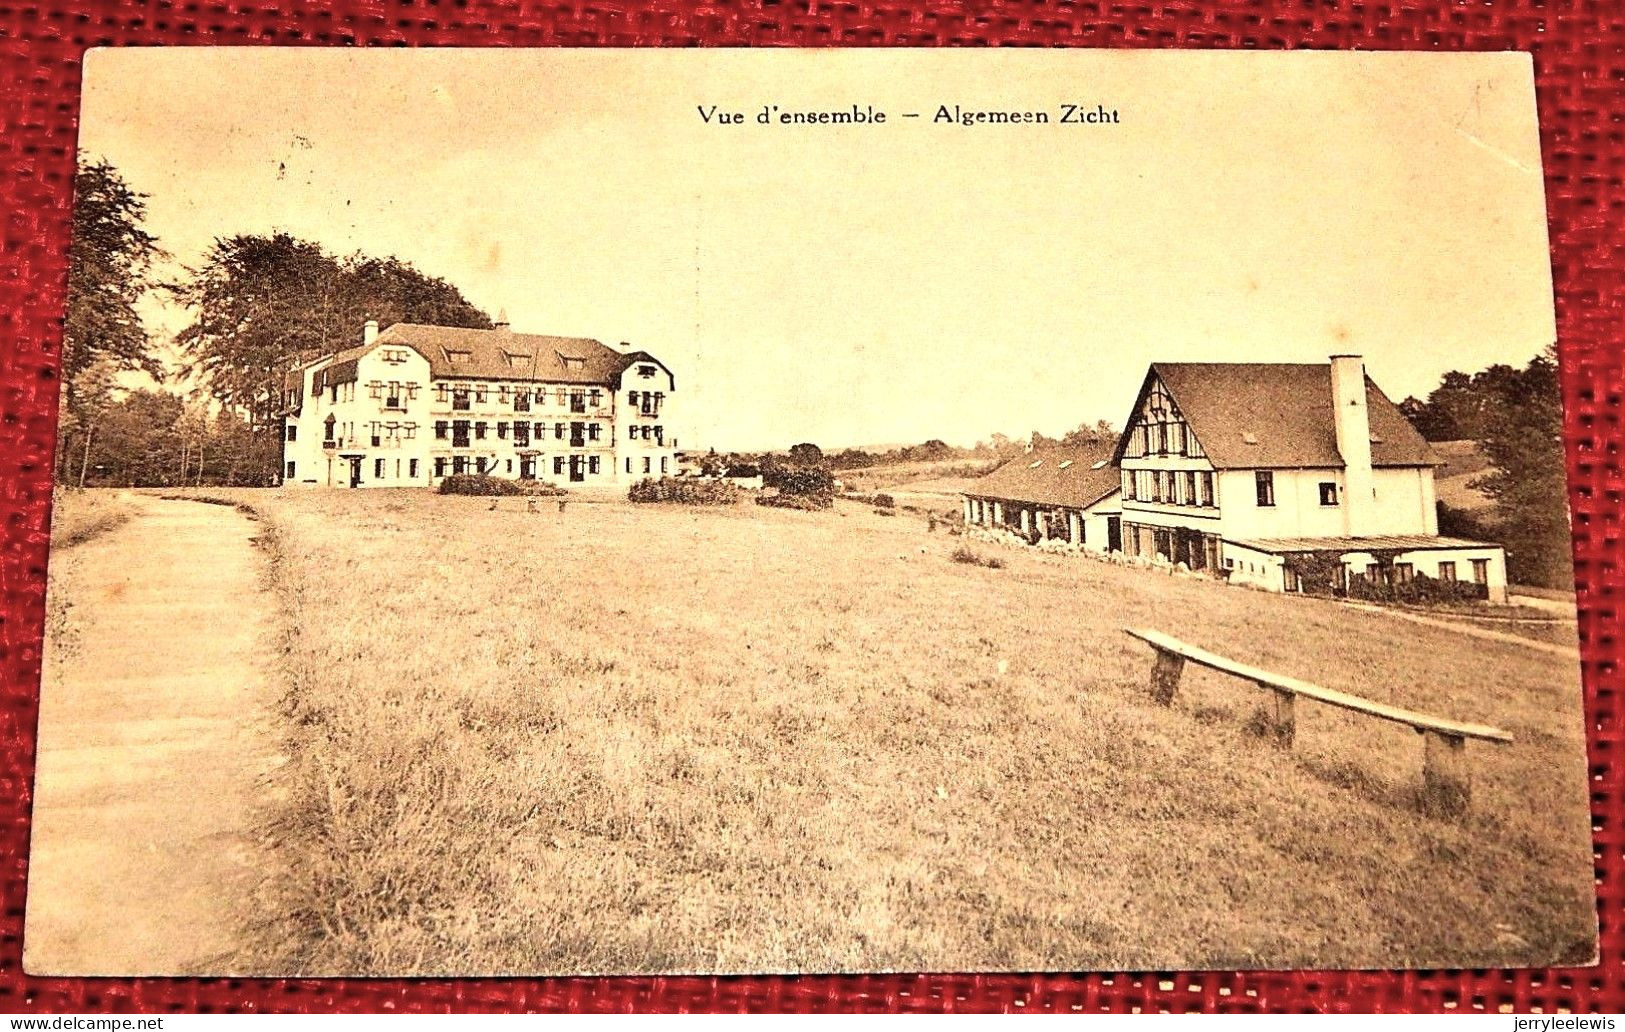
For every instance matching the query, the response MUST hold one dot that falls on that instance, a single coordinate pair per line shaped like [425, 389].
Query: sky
[892, 283]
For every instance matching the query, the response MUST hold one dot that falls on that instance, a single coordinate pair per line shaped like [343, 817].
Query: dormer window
[459, 357]
[570, 362]
[517, 361]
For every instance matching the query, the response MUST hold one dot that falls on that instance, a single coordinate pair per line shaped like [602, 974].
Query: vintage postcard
[561, 512]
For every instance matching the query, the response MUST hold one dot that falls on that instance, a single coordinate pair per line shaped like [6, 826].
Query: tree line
[995, 449]
[256, 305]
[1516, 418]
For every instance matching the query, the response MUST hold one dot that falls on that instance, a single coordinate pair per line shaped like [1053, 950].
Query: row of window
[380, 469]
[393, 394]
[463, 397]
[1264, 488]
[1399, 573]
[580, 434]
[459, 464]
[646, 402]
[1175, 545]
[1159, 429]
[1171, 487]
[1170, 438]
[646, 432]
[462, 431]
[379, 432]
[1404, 573]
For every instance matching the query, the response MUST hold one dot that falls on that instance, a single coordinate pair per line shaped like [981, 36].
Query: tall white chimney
[501, 322]
[369, 332]
[1352, 419]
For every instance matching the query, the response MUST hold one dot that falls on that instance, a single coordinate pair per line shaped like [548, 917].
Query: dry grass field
[1464, 462]
[650, 738]
[78, 516]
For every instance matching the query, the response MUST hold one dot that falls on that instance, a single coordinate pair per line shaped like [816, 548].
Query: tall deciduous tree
[1524, 443]
[262, 304]
[110, 267]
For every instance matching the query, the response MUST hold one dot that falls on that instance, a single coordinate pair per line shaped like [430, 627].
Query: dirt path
[1471, 630]
[152, 739]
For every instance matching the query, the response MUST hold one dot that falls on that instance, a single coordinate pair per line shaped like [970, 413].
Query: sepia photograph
[574, 512]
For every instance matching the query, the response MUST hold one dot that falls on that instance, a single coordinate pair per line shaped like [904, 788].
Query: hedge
[686, 491]
[479, 484]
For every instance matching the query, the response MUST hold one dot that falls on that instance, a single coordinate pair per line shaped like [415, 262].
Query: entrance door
[578, 468]
[527, 467]
[355, 471]
[1114, 533]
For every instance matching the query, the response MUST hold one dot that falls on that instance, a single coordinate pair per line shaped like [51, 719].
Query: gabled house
[414, 403]
[1247, 469]
[1067, 493]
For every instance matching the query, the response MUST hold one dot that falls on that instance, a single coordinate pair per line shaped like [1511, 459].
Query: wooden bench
[1446, 787]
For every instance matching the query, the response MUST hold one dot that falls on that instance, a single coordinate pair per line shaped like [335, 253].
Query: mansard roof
[505, 355]
[1073, 478]
[1262, 415]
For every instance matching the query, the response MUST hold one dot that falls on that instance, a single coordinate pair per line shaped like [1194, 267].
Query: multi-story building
[1248, 468]
[413, 404]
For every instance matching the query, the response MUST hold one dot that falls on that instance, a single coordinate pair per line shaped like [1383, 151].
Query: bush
[885, 501]
[810, 481]
[970, 557]
[1420, 589]
[479, 484]
[686, 491]
[806, 503]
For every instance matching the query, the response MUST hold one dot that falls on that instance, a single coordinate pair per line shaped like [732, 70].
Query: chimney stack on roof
[502, 321]
[1352, 419]
[369, 332]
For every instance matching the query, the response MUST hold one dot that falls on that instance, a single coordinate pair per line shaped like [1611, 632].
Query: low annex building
[1068, 493]
[1262, 471]
[416, 403]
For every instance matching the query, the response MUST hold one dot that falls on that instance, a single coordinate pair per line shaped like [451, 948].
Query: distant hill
[1464, 461]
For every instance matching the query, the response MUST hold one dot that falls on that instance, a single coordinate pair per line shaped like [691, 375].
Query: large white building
[413, 404]
[1263, 471]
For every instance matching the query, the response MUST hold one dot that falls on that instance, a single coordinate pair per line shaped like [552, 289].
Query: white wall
[1402, 504]
[1246, 566]
[356, 411]
[1263, 570]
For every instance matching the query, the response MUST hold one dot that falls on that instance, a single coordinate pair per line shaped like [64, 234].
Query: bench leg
[1165, 676]
[1282, 718]
[1446, 789]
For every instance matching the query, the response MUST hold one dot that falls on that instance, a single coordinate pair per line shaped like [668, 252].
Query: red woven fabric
[1579, 48]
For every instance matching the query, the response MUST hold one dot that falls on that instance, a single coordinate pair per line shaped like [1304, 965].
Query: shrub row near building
[479, 484]
[1420, 589]
[805, 503]
[686, 491]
